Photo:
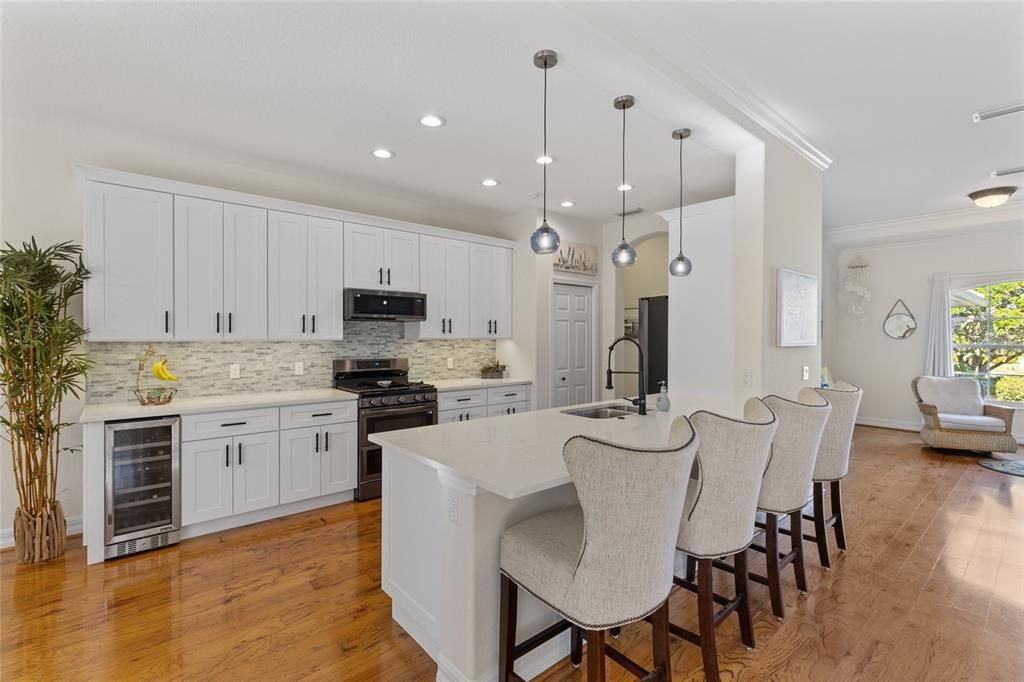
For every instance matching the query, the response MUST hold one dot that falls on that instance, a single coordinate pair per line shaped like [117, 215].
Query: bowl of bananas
[159, 395]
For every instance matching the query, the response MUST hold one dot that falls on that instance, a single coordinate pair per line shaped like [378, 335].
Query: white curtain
[939, 356]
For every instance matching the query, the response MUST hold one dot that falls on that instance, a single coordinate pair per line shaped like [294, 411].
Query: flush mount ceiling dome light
[680, 266]
[383, 153]
[568, 204]
[544, 159]
[544, 239]
[489, 182]
[432, 121]
[991, 197]
[624, 254]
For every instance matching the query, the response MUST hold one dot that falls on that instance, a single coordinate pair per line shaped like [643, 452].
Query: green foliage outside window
[988, 338]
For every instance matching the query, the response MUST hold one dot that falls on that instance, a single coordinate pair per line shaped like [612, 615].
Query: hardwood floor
[931, 589]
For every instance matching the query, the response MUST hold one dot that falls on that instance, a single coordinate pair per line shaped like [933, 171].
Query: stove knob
[386, 401]
[402, 398]
[373, 402]
[418, 397]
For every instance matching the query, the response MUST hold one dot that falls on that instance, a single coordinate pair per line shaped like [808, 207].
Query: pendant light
[624, 254]
[680, 265]
[544, 239]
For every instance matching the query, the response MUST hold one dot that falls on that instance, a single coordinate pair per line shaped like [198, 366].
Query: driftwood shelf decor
[40, 363]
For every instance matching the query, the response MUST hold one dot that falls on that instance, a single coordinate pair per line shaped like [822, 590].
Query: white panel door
[129, 249]
[456, 287]
[433, 277]
[364, 256]
[501, 292]
[300, 466]
[339, 445]
[288, 282]
[401, 260]
[326, 285]
[206, 480]
[198, 269]
[572, 350]
[256, 472]
[481, 283]
[245, 272]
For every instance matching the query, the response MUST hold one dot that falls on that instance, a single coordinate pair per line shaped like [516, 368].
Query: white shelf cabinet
[380, 258]
[444, 278]
[129, 251]
[305, 282]
[490, 292]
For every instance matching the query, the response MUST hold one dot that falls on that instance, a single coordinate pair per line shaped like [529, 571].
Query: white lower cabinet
[225, 476]
[255, 472]
[507, 409]
[477, 403]
[317, 460]
[461, 415]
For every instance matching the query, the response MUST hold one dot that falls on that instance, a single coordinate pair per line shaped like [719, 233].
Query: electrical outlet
[453, 508]
[807, 373]
[235, 370]
[298, 369]
[748, 379]
[451, 363]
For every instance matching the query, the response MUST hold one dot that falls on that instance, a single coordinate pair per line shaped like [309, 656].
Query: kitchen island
[450, 490]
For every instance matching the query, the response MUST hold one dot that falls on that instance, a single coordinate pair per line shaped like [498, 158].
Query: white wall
[861, 353]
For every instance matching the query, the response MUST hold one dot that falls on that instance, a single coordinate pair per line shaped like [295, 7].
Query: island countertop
[518, 455]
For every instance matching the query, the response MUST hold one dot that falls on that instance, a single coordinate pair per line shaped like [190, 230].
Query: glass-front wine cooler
[143, 479]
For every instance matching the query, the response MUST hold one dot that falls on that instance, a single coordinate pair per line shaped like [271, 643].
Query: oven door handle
[387, 411]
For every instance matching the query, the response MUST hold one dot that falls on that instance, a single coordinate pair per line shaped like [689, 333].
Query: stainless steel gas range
[388, 401]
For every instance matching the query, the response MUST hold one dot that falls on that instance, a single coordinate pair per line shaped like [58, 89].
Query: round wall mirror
[899, 324]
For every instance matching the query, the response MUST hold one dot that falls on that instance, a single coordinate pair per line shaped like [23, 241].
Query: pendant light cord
[623, 174]
[545, 170]
[680, 195]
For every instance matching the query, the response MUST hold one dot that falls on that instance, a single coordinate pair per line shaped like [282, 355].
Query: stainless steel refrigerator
[654, 340]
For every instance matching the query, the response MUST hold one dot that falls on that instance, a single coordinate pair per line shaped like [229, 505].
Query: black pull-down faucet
[641, 399]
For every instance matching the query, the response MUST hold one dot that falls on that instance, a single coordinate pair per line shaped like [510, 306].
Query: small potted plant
[493, 370]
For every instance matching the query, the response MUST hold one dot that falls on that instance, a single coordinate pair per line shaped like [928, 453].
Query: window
[988, 338]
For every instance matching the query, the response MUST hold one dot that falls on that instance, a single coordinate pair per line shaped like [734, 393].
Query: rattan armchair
[956, 417]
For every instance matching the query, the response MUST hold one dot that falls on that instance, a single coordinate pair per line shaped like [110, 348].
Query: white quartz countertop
[517, 455]
[99, 412]
[466, 384]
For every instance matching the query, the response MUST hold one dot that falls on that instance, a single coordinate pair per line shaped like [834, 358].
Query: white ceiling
[321, 85]
[886, 89]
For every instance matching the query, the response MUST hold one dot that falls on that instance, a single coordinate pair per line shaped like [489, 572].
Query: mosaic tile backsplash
[202, 367]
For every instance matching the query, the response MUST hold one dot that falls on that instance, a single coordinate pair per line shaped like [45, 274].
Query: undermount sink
[614, 411]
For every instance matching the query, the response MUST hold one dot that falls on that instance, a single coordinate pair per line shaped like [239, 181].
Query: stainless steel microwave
[400, 306]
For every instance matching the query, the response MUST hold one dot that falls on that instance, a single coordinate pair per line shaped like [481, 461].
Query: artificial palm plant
[40, 363]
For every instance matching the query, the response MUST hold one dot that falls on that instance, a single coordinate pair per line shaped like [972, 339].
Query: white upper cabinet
[444, 278]
[326, 287]
[490, 292]
[129, 251]
[245, 273]
[198, 269]
[380, 258]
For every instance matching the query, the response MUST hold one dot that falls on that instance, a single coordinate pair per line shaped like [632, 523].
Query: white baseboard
[7, 534]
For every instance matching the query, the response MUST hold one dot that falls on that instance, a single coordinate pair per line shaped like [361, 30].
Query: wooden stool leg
[507, 628]
[576, 646]
[837, 511]
[743, 591]
[706, 619]
[615, 631]
[796, 537]
[820, 530]
[659, 637]
[595, 655]
[691, 568]
[771, 550]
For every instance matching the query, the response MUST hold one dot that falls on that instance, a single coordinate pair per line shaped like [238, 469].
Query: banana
[170, 376]
[161, 372]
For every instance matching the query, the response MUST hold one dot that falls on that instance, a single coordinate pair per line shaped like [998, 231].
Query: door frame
[595, 324]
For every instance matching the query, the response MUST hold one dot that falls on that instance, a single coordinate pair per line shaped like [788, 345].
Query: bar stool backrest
[794, 450]
[834, 452]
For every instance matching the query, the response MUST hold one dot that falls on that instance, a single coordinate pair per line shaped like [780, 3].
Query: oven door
[381, 419]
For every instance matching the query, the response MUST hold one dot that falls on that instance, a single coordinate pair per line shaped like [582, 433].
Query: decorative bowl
[155, 396]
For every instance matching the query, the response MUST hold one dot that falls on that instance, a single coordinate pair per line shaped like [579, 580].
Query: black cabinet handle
[513, 410]
[316, 448]
[233, 424]
[510, 395]
[462, 400]
[239, 453]
[380, 275]
[467, 416]
[488, 326]
[303, 324]
[508, 410]
[167, 322]
[495, 326]
[323, 414]
[460, 416]
[227, 455]
[389, 276]
[327, 441]
[449, 325]
[218, 323]
[314, 323]
[229, 323]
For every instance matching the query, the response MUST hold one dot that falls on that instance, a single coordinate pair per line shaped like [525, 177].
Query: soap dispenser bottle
[664, 404]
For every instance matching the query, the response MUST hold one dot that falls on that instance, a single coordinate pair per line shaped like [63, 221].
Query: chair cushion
[970, 422]
[952, 395]
[541, 554]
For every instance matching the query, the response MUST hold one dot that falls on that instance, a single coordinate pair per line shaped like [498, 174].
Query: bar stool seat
[541, 554]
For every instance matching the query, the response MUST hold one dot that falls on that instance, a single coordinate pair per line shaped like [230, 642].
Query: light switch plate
[451, 363]
[807, 373]
[298, 368]
[235, 370]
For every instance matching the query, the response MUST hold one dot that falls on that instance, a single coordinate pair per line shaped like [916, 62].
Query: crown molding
[928, 226]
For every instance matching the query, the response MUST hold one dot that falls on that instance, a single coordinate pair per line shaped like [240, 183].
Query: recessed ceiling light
[991, 197]
[383, 153]
[545, 159]
[624, 187]
[489, 182]
[432, 121]
[568, 204]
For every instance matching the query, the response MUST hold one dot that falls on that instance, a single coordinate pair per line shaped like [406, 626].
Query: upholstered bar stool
[832, 465]
[607, 562]
[719, 519]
